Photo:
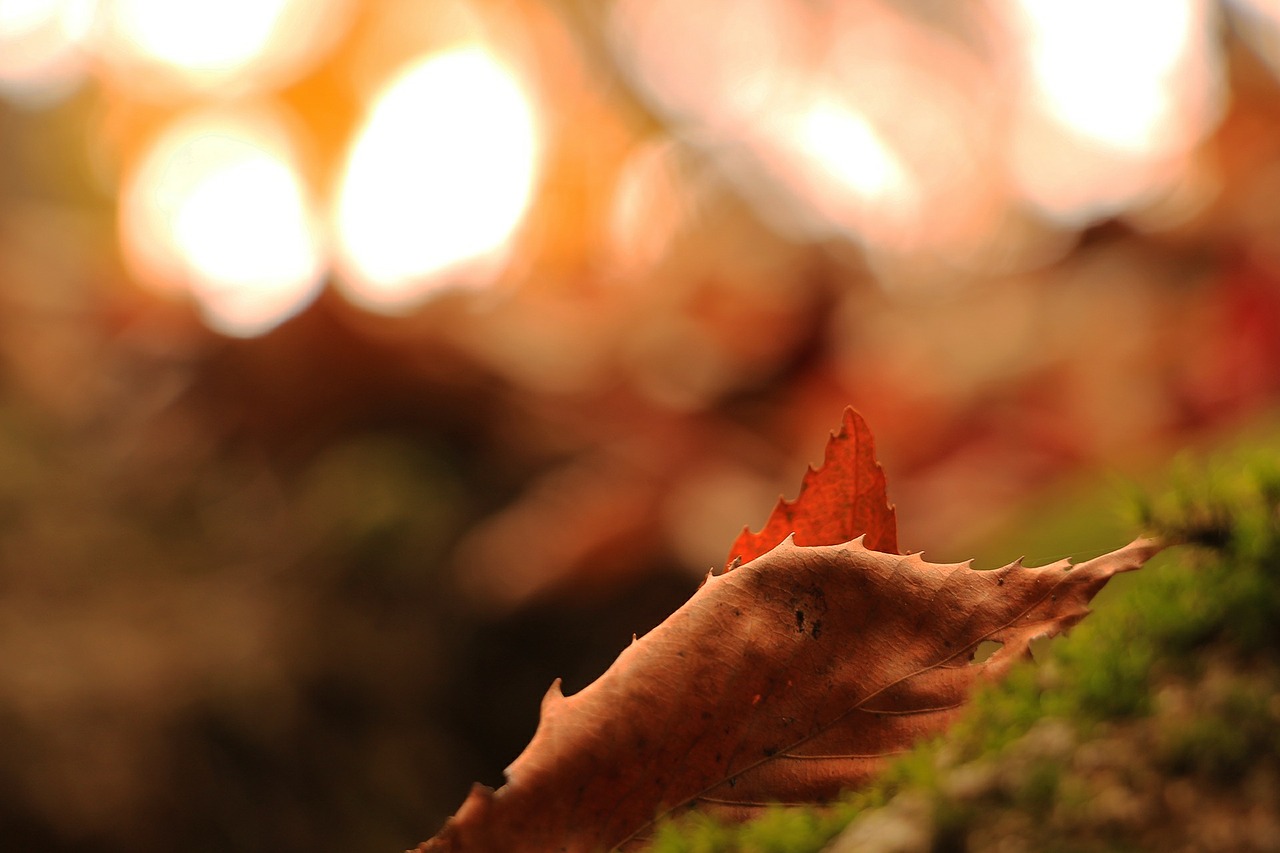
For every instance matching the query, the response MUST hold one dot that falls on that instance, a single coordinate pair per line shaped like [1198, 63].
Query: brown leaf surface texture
[791, 678]
[843, 499]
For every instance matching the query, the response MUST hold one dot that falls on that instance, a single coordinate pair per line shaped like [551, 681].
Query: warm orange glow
[653, 199]
[843, 171]
[847, 120]
[1106, 69]
[718, 63]
[203, 44]
[40, 47]
[210, 36]
[217, 207]
[1258, 23]
[843, 144]
[436, 181]
[1115, 92]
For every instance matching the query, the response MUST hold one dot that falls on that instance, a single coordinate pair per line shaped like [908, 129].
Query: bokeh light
[850, 150]
[846, 172]
[41, 47]
[437, 179]
[217, 207]
[653, 199]
[1116, 94]
[716, 64]
[802, 108]
[164, 45]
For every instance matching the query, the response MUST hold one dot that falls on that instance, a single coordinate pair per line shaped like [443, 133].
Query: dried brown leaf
[790, 679]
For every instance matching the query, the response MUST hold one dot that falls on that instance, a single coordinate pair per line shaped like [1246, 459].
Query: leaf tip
[1147, 545]
[1125, 559]
[555, 695]
[850, 421]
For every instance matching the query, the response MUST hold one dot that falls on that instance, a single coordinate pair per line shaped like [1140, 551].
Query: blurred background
[367, 364]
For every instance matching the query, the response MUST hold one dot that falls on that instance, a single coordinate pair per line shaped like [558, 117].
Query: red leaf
[790, 679]
[843, 499]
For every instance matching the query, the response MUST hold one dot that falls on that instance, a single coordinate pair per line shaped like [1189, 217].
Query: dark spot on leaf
[817, 628]
[733, 781]
[770, 751]
[999, 581]
[800, 621]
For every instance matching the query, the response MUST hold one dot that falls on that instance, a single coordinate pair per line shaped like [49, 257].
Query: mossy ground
[1155, 724]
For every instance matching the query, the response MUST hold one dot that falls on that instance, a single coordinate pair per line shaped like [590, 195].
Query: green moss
[917, 769]
[996, 717]
[1230, 592]
[777, 830]
[1039, 789]
[1225, 594]
[1107, 675]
